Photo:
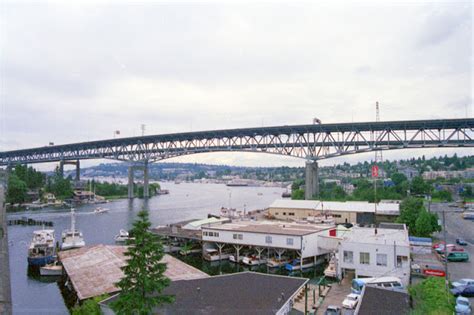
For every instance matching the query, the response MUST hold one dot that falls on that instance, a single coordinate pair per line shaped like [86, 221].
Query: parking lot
[457, 227]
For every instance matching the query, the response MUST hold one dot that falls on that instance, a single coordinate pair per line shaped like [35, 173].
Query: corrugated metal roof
[347, 206]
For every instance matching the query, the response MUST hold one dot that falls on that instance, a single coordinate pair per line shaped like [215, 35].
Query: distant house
[377, 300]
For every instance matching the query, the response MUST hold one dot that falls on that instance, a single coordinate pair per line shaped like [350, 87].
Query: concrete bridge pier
[131, 174]
[77, 163]
[146, 181]
[312, 180]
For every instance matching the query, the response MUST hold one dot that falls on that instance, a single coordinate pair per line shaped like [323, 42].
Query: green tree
[61, 186]
[16, 190]
[89, 306]
[144, 278]
[419, 186]
[410, 208]
[423, 224]
[297, 194]
[430, 297]
[398, 178]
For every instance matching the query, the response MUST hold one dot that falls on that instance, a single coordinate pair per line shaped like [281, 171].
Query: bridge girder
[312, 142]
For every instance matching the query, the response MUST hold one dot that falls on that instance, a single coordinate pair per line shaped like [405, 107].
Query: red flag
[375, 171]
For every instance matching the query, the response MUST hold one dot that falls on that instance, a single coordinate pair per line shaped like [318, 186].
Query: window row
[212, 234]
[380, 259]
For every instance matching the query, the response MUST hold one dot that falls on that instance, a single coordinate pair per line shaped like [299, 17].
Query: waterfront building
[355, 212]
[365, 252]
[268, 238]
[239, 293]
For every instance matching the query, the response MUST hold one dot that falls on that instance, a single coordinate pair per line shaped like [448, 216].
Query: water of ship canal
[35, 295]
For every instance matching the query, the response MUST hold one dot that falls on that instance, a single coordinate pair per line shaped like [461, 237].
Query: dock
[94, 270]
[5, 288]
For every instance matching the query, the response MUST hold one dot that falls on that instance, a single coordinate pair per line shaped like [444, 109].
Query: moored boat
[296, 264]
[41, 250]
[72, 238]
[212, 254]
[253, 260]
[53, 269]
[275, 262]
[122, 237]
[233, 258]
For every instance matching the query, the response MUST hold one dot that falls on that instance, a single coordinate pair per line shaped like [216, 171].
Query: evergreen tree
[16, 190]
[144, 278]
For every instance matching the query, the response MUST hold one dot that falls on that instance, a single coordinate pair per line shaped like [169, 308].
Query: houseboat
[41, 250]
[275, 262]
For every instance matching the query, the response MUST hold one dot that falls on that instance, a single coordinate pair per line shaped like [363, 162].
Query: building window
[291, 213]
[364, 258]
[336, 215]
[401, 260]
[381, 259]
[276, 213]
[238, 236]
[235, 236]
[268, 239]
[348, 257]
[204, 233]
[284, 213]
[289, 241]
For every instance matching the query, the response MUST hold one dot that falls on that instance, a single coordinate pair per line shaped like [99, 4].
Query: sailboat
[72, 238]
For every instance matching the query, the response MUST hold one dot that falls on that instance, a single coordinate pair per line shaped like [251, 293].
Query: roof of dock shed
[271, 227]
[94, 270]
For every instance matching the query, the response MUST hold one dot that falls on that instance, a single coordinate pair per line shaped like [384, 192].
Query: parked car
[451, 248]
[463, 306]
[333, 310]
[467, 290]
[462, 282]
[351, 301]
[457, 256]
[461, 241]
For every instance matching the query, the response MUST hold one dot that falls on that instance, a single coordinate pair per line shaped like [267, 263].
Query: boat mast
[73, 225]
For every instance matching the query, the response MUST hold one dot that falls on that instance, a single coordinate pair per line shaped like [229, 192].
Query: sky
[77, 71]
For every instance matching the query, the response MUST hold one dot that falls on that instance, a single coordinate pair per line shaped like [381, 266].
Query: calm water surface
[34, 295]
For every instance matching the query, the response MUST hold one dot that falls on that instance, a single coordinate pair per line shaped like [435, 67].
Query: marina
[186, 201]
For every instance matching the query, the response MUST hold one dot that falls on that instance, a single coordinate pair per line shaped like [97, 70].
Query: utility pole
[445, 252]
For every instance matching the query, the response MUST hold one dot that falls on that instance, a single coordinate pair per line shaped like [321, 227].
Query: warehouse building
[355, 212]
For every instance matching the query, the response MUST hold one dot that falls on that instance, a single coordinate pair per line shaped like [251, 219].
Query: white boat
[42, 248]
[72, 238]
[296, 265]
[184, 252]
[275, 262]
[212, 254]
[233, 258]
[331, 271]
[253, 260]
[54, 269]
[100, 210]
[122, 237]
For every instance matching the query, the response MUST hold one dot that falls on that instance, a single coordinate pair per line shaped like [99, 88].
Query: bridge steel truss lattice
[310, 142]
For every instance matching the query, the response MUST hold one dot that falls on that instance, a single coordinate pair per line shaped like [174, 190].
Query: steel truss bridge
[311, 142]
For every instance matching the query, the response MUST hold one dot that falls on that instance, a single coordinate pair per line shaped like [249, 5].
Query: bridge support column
[312, 180]
[78, 170]
[130, 182]
[61, 167]
[146, 182]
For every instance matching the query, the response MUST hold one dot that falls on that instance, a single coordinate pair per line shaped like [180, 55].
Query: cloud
[78, 72]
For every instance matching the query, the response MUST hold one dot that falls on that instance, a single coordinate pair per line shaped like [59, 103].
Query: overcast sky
[78, 72]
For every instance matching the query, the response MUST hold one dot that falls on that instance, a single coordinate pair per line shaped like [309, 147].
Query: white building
[279, 237]
[366, 254]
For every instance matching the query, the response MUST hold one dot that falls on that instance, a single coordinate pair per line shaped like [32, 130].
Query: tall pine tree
[144, 278]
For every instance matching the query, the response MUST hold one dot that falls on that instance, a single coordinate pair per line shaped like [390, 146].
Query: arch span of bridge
[310, 142]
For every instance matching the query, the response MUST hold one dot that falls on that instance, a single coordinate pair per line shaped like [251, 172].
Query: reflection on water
[32, 294]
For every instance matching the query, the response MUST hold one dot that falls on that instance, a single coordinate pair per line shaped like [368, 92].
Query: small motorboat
[54, 269]
[122, 237]
[253, 260]
[212, 254]
[331, 271]
[72, 238]
[233, 258]
[99, 210]
[296, 265]
[275, 262]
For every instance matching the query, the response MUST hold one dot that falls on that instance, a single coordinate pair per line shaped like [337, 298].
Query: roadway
[5, 289]
[457, 227]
